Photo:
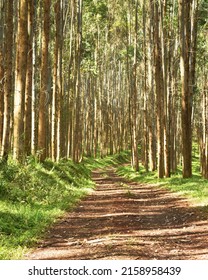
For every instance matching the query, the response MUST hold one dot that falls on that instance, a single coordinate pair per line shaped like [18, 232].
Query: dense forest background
[93, 78]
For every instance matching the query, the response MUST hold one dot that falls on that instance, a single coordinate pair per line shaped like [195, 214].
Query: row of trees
[89, 77]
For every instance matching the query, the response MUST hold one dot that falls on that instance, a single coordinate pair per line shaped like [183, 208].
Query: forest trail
[127, 220]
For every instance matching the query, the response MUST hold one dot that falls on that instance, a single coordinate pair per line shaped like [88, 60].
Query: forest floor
[127, 220]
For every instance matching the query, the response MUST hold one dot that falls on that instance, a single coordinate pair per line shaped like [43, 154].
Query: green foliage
[32, 196]
[195, 188]
[95, 14]
[114, 160]
[37, 183]
[203, 13]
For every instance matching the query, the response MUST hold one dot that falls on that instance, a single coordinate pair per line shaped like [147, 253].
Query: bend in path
[126, 220]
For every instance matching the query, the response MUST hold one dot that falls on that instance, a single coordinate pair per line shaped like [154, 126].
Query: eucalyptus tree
[188, 31]
[2, 12]
[77, 137]
[200, 98]
[29, 80]
[56, 143]
[159, 88]
[134, 96]
[20, 78]
[8, 79]
[42, 143]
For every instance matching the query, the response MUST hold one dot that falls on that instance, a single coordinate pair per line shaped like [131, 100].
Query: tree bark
[8, 79]
[2, 73]
[42, 148]
[77, 149]
[159, 83]
[20, 77]
[29, 77]
[134, 93]
[184, 16]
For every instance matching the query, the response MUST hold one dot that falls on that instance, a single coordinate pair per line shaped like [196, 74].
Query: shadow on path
[125, 220]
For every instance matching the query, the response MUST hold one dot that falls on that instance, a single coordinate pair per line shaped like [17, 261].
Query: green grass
[195, 188]
[113, 160]
[32, 197]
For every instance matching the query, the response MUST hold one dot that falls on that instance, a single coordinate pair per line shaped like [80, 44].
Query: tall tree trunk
[165, 64]
[185, 36]
[20, 77]
[159, 83]
[2, 74]
[151, 103]
[146, 92]
[60, 101]
[134, 93]
[55, 98]
[35, 76]
[44, 81]
[57, 143]
[203, 133]
[29, 77]
[70, 80]
[77, 150]
[8, 79]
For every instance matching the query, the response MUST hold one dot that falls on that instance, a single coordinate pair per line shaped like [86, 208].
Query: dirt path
[122, 220]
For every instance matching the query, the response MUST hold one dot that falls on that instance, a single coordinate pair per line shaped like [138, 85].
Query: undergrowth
[194, 188]
[34, 195]
[113, 160]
